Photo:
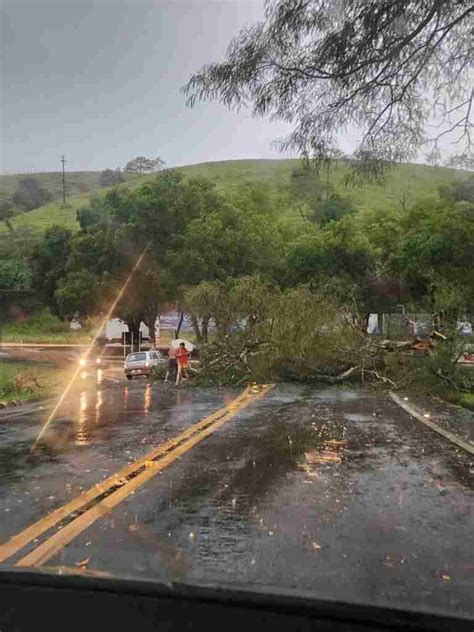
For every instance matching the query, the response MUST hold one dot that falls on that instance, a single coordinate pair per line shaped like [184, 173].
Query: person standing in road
[182, 357]
[172, 368]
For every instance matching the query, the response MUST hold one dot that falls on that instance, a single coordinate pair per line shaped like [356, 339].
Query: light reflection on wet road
[331, 492]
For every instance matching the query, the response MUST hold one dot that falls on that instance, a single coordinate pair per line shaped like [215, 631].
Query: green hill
[406, 183]
[77, 182]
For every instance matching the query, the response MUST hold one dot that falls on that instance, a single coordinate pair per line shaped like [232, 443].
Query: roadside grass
[45, 327]
[452, 396]
[22, 381]
[404, 184]
[467, 400]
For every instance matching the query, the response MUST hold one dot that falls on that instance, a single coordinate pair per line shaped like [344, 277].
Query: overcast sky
[100, 81]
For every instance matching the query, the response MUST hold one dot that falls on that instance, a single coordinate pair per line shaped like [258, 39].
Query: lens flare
[147, 399]
[81, 435]
[98, 406]
[106, 318]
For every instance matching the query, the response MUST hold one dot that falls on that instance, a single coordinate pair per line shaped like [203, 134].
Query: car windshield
[237, 295]
[134, 357]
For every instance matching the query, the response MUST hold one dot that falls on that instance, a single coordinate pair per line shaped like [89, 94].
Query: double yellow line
[103, 497]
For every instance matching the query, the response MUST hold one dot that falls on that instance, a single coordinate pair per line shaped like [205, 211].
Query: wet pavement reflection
[333, 492]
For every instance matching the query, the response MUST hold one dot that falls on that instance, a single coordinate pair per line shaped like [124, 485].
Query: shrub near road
[44, 327]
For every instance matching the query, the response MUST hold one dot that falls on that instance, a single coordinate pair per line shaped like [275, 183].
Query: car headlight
[82, 362]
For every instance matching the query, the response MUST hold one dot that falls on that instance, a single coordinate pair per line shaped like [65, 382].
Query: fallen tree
[266, 334]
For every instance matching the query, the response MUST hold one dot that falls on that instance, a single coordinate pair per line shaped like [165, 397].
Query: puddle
[358, 417]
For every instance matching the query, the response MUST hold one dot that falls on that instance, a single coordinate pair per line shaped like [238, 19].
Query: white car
[141, 363]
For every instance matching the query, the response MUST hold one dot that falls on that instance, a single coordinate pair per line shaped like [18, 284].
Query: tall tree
[339, 251]
[80, 294]
[230, 238]
[384, 66]
[142, 165]
[434, 257]
[458, 191]
[109, 177]
[15, 284]
[331, 209]
[48, 263]
[7, 209]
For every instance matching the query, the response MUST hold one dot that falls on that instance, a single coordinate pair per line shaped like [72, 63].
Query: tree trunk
[205, 328]
[151, 314]
[180, 323]
[195, 323]
[134, 328]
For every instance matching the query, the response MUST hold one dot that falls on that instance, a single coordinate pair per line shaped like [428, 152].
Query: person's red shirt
[182, 356]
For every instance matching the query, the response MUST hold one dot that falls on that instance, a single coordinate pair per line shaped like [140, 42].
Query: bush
[30, 194]
[44, 326]
[109, 177]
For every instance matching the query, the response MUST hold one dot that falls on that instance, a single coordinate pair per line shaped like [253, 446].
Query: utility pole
[63, 162]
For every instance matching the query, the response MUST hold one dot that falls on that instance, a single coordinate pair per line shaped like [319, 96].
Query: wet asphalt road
[334, 493]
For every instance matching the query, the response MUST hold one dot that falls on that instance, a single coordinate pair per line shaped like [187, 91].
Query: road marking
[17, 542]
[56, 542]
[445, 433]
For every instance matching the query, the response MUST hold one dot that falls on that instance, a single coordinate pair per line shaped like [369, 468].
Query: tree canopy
[434, 257]
[48, 262]
[109, 177]
[30, 194]
[142, 165]
[191, 232]
[385, 67]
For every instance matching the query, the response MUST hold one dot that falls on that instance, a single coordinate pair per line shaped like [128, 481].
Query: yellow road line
[56, 542]
[19, 540]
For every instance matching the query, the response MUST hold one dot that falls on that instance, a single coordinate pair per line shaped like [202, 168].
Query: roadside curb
[445, 433]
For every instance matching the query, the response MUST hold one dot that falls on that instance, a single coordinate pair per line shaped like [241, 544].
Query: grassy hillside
[408, 182]
[76, 182]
